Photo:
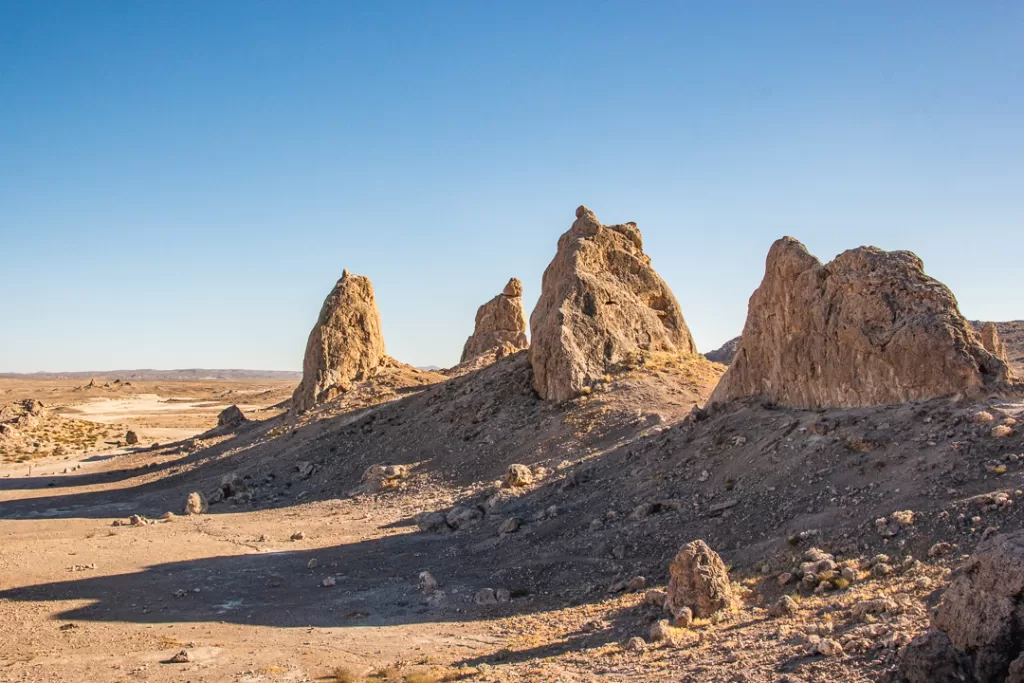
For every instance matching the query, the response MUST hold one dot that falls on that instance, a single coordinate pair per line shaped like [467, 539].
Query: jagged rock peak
[499, 322]
[601, 303]
[346, 344]
[869, 328]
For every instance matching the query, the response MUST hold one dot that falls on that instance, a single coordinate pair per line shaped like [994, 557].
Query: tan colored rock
[196, 504]
[869, 328]
[601, 304]
[982, 611]
[698, 580]
[500, 324]
[990, 340]
[345, 346]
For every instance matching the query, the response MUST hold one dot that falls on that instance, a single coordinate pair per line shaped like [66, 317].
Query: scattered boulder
[382, 477]
[486, 596]
[869, 328]
[431, 522]
[500, 324]
[931, 658]
[8, 431]
[601, 304]
[131, 438]
[232, 416]
[196, 504]
[232, 484]
[346, 344]
[427, 583]
[518, 475]
[698, 580]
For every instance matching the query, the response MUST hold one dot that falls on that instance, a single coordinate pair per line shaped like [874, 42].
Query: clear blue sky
[181, 183]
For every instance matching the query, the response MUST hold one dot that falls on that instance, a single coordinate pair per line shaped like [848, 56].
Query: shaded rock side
[982, 611]
[869, 328]
[345, 346]
[499, 322]
[601, 302]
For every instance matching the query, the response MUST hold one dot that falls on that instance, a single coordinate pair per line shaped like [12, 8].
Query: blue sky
[181, 183]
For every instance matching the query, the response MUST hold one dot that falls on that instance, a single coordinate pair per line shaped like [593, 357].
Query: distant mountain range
[145, 374]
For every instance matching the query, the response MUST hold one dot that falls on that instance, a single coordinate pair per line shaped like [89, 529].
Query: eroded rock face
[601, 302]
[869, 328]
[698, 581]
[345, 346]
[724, 353]
[500, 323]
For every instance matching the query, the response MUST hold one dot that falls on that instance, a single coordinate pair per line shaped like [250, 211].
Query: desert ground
[311, 574]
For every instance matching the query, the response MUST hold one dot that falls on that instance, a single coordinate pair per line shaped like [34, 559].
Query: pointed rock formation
[499, 322]
[601, 302]
[869, 328]
[345, 345]
[990, 340]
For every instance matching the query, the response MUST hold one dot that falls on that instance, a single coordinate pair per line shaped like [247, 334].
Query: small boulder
[427, 583]
[518, 475]
[131, 438]
[431, 522]
[383, 477]
[196, 504]
[486, 596]
[931, 658]
[699, 580]
[232, 416]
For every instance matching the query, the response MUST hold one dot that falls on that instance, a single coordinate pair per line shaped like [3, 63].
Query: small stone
[298, 536]
[510, 525]
[1001, 431]
[518, 475]
[848, 573]
[196, 504]
[637, 583]
[169, 516]
[182, 657]
[328, 582]
[486, 596]
[503, 595]
[829, 648]
[786, 606]
[131, 438]
[661, 631]
[428, 584]
[881, 569]
[635, 644]
[312, 564]
[431, 522]
[683, 617]
[784, 578]
[655, 598]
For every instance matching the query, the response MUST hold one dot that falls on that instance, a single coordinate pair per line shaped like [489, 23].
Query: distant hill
[724, 353]
[196, 374]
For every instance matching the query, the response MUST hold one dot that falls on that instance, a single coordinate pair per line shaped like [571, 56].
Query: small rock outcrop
[698, 582]
[500, 323]
[345, 346]
[232, 416]
[978, 626]
[869, 328]
[601, 303]
[990, 340]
